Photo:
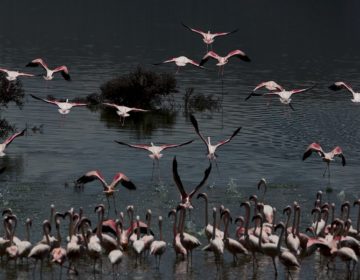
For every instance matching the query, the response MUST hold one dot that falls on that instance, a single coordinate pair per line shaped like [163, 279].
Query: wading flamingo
[50, 72]
[326, 157]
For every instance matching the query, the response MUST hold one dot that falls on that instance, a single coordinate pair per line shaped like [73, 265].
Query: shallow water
[270, 143]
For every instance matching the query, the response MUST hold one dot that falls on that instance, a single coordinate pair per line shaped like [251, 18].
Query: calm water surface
[270, 144]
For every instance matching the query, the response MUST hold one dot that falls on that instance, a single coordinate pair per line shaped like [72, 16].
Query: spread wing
[228, 140]
[178, 180]
[124, 180]
[207, 56]
[225, 33]
[38, 62]
[137, 146]
[294, 91]
[64, 72]
[168, 146]
[239, 54]
[313, 147]
[203, 181]
[194, 30]
[337, 151]
[91, 176]
[340, 85]
[11, 138]
[195, 124]
[55, 102]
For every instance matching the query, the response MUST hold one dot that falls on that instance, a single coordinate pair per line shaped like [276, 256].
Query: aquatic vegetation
[200, 102]
[141, 88]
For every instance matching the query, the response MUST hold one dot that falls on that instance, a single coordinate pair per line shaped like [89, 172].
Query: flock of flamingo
[329, 234]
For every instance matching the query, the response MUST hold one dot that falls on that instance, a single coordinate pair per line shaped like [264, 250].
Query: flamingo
[154, 150]
[158, 247]
[186, 197]
[208, 227]
[108, 189]
[107, 242]
[269, 85]
[222, 60]
[138, 244]
[123, 111]
[116, 255]
[148, 238]
[211, 149]
[9, 140]
[216, 243]
[209, 37]
[178, 247]
[326, 156]
[25, 246]
[268, 210]
[13, 75]
[64, 106]
[341, 85]
[180, 61]
[50, 72]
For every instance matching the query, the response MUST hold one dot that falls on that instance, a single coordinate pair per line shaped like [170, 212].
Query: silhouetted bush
[141, 88]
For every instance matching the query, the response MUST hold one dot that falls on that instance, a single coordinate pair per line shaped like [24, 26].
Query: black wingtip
[334, 87]
[246, 58]
[31, 64]
[129, 185]
[249, 96]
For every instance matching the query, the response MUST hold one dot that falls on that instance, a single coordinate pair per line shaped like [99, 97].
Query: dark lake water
[297, 45]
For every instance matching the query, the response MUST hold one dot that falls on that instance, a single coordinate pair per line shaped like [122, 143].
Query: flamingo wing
[207, 56]
[55, 102]
[137, 146]
[261, 94]
[203, 181]
[124, 180]
[337, 151]
[64, 72]
[228, 140]
[111, 105]
[38, 62]
[194, 63]
[302, 90]
[313, 147]
[74, 104]
[138, 110]
[340, 85]
[4, 70]
[11, 138]
[25, 74]
[194, 30]
[168, 146]
[271, 85]
[91, 176]
[178, 180]
[225, 33]
[239, 54]
[196, 126]
[166, 61]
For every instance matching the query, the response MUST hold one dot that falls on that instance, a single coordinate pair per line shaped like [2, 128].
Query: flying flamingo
[9, 140]
[326, 157]
[180, 61]
[155, 151]
[50, 72]
[123, 111]
[186, 197]
[341, 85]
[222, 60]
[210, 147]
[208, 37]
[269, 85]
[64, 106]
[284, 95]
[13, 75]
[108, 189]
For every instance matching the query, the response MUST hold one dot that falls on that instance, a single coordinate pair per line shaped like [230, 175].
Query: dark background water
[297, 44]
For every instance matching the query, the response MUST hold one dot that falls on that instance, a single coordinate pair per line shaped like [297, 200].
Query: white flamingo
[208, 37]
[180, 61]
[158, 247]
[269, 85]
[50, 72]
[64, 106]
[13, 75]
[123, 111]
[341, 85]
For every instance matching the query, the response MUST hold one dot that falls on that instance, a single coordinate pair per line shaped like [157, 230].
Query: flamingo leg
[114, 202]
[152, 172]
[276, 272]
[158, 167]
[327, 165]
[217, 166]
[177, 70]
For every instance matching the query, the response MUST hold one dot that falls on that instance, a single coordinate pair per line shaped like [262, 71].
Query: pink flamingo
[186, 197]
[326, 156]
[9, 140]
[269, 85]
[209, 37]
[155, 151]
[50, 72]
[180, 61]
[341, 85]
[123, 111]
[108, 189]
[222, 60]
